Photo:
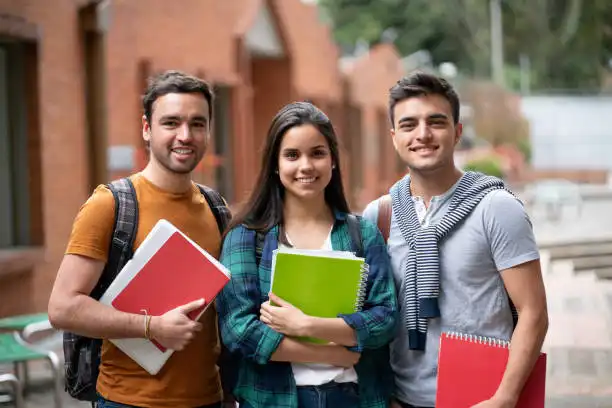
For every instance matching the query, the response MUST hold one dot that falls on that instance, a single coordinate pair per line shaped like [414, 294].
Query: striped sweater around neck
[422, 273]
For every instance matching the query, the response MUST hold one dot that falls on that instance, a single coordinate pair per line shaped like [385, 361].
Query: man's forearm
[525, 348]
[290, 350]
[334, 330]
[88, 317]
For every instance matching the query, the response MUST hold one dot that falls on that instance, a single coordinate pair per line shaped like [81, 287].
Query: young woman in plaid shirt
[299, 201]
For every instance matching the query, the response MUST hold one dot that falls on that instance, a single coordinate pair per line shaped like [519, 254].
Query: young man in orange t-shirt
[176, 127]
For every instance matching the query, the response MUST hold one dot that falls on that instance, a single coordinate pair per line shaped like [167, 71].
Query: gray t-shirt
[497, 235]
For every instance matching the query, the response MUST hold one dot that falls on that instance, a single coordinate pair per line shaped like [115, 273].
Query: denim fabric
[330, 395]
[405, 405]
[104, 403]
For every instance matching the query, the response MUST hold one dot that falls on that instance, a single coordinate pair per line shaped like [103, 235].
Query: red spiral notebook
[167, 271]
[470, 369]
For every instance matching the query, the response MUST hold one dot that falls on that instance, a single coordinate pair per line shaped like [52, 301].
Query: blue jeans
[330, 395]
[406, 405]
[104, 403]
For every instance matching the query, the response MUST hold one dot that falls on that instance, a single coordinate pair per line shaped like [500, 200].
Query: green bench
[19, 323]
[15, 350]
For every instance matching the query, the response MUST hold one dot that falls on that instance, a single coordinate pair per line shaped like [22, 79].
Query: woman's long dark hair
[264, 208]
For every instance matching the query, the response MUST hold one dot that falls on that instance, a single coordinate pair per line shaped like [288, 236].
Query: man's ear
[392, 133]
[146, 130]
[458, 132]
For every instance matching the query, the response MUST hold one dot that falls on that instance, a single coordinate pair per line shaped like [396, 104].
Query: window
[20, 207]
[92, 43]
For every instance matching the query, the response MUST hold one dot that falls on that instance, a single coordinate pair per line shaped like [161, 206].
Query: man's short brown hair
[419, 84]
[175, 82]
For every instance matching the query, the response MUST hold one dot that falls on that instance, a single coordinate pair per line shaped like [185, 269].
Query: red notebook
[178, 273]
[470, 369]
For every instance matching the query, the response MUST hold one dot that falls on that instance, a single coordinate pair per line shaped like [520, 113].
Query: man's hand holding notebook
[174, 329]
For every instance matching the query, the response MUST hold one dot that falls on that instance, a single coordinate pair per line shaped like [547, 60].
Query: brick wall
[272, 90]
[313, 51]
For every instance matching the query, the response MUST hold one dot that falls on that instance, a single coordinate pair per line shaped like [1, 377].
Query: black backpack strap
[354, 226]
[218, 206]
[260, 240]
[124, 233]
[385, 209]
[82, 354]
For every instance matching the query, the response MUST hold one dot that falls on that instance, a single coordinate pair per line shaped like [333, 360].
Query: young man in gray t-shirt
[485, 263]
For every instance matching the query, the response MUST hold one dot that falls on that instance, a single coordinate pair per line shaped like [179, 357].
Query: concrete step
[578, 241]
[604, 273]
[580, 250]
[592, 262]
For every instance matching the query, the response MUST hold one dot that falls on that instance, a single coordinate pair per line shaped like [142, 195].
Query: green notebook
[320, 283]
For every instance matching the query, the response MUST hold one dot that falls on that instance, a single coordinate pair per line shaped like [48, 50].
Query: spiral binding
[472, 338]
[361, 290]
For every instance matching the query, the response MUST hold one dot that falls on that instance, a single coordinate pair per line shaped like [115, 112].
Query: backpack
[384, 216]
[82, 354]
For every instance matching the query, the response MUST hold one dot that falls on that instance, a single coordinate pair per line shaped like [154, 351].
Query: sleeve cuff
[357, 323]
[267, 345]
[518, 260]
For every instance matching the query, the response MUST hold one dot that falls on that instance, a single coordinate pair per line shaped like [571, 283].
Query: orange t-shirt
[190, 377]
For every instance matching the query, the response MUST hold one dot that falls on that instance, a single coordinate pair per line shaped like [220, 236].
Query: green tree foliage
[487, 165]
[568, 42]
[524, 145]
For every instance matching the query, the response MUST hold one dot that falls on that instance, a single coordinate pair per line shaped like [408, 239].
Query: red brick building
[71, 76]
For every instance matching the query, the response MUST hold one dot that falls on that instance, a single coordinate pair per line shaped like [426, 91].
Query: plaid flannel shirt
[264, 383]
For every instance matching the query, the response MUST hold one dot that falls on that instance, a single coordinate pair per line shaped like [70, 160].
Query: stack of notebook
[167, 271]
